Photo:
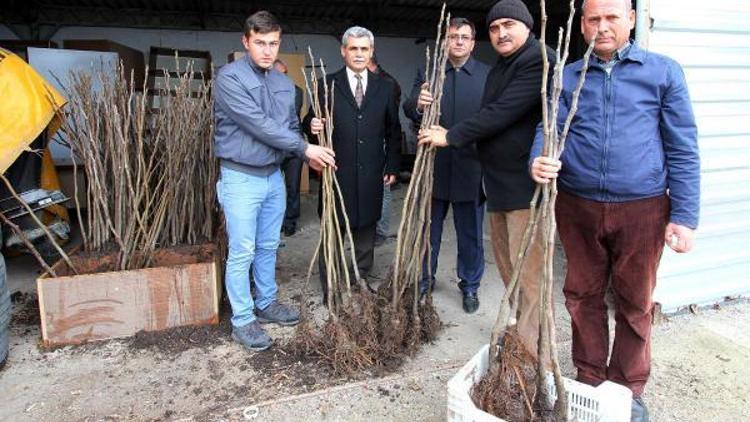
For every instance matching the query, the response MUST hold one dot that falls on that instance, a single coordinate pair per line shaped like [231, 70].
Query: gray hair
[628, 4]
[357, 32]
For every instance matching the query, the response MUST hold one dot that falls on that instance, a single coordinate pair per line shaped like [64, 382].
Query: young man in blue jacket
[629, 181]
[256, 126]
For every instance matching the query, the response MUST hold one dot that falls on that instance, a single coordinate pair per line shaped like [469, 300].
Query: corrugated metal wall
[711, 39]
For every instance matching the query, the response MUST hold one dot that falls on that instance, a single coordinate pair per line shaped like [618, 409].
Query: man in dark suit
[458, 174]
[292, 166]
[503, 131]
[365, 116]
[382, 229]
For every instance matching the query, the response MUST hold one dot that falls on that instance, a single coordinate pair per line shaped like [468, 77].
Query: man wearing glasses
[503, 131]
[256, 127]
[458, 174]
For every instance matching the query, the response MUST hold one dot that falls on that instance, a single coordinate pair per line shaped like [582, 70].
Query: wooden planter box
[182, 288]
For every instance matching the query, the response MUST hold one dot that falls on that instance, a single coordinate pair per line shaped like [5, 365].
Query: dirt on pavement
[701, 362]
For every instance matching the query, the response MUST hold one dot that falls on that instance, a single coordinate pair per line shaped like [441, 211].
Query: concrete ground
[701, 362]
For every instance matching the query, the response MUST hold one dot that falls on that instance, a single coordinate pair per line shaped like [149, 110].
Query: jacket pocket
[282, 95]
[257, 154]
[283, 102]
[657, 161]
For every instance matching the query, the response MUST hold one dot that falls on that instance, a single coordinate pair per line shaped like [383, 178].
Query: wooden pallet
[183, 290]
[174, 63]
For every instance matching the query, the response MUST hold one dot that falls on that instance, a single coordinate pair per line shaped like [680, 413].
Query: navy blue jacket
[458, 174]
[634, 135]
[256, 118]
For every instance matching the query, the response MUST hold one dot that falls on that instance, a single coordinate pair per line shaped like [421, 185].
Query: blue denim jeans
[254, 210]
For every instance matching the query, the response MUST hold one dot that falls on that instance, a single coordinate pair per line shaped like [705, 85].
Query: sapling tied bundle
[367, 329]
[515, 386]
[347, 339]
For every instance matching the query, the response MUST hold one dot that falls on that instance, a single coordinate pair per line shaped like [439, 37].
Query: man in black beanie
[503, 131]
[510, 9]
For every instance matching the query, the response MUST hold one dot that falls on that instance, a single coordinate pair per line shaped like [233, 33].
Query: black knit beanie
[513, 9]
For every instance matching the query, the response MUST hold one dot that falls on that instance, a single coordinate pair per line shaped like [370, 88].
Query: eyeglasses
[456, 37]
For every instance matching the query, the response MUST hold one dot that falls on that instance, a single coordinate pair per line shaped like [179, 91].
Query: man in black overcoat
[503, 131]
[365, 117]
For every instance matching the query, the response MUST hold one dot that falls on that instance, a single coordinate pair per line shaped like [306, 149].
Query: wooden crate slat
[80, 308]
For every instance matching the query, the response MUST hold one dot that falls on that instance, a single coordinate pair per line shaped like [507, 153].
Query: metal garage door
[711, 39]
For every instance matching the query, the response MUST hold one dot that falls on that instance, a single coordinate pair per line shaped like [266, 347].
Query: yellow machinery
[30, 106]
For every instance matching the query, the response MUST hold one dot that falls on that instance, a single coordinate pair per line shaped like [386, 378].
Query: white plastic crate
[609, 402]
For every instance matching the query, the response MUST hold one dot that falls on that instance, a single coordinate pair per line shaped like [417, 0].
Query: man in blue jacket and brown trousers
[629, 182]
[256, 126]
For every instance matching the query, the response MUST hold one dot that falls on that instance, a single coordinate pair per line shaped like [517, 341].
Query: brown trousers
[620, 245]
[507, 228]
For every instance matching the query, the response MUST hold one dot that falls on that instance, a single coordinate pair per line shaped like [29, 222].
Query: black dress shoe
[289, 229]
[471, 302]
[380, 240]
[638, 410]
[369, 286]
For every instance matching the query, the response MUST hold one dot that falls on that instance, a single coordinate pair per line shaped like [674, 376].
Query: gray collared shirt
[616, 58]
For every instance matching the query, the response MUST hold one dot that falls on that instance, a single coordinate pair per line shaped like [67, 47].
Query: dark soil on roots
[508, 393]
[367, 335]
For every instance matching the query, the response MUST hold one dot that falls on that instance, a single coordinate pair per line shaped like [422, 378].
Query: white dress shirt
[353, 81]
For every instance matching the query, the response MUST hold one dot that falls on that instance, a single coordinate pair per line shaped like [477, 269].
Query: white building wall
[711, 40]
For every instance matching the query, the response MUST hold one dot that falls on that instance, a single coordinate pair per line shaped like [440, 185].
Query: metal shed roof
[414, 18]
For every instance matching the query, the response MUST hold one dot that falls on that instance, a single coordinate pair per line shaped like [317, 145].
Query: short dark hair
[262, 22]
[459, 22]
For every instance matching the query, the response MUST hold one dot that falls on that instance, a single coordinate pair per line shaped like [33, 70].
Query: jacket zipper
[607, 132]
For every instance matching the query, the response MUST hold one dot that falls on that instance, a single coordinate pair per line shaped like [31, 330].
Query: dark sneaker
[289, 229]
[638, 410]
[252, 336]
[470, 302]
[278, 313]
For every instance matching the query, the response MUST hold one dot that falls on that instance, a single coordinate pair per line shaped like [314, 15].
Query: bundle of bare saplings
[516, 387]
[366, 330]
[150, 172]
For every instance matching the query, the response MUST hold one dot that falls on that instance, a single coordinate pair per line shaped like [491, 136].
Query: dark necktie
[359, 93]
